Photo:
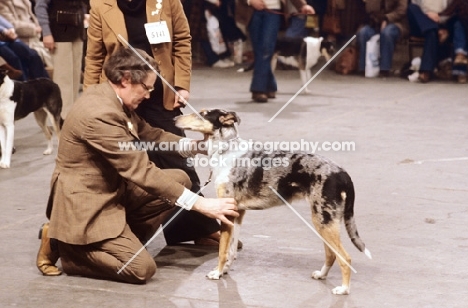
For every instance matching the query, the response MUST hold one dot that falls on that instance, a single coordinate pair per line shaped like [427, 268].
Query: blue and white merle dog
[326, 186]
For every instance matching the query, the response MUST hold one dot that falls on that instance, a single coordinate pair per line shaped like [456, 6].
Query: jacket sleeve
[107, 132]
[399, 12]
[42, 14]
[451, 9]
[96, 51]
[181, 46]
[4, 24]
[24, 28]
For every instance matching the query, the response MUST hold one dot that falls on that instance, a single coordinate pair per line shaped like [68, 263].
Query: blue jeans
[21, 57]
[388, 38]
[263, 29]
[459, 38]
[421, 25]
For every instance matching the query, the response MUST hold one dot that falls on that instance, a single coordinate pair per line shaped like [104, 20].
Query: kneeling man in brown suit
[107, 199]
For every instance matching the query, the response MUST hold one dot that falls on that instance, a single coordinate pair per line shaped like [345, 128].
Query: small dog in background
[294, 175]
[302, 53]
[17, 100]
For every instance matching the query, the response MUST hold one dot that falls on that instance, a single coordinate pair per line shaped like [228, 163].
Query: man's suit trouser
[145, 214]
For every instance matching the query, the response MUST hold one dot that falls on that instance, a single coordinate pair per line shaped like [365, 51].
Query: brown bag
[331, 23]
[346, 63]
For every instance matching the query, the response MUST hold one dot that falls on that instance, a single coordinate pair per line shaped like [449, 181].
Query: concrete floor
[410, 172]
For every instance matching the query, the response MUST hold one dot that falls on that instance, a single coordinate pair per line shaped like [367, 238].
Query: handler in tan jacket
[106, 200]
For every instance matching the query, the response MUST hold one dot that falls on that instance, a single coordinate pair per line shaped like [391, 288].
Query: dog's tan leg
[331, 234]
[234, 241]
[41, 119]
[55, 120]
[226, 235]
[227, 243]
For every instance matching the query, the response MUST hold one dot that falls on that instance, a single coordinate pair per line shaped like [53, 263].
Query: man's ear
[126, 80]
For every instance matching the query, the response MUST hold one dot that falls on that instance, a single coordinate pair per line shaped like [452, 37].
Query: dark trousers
[423, 26]
[21, 57]
[187, 225]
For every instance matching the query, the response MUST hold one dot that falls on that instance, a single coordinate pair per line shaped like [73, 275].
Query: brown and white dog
[17, 100]
[293, 175]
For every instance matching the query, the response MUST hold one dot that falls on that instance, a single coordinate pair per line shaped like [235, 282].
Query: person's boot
[12, 72]
[47, 257]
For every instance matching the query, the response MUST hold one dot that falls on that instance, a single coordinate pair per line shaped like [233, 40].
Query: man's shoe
[424, 77]
[12, 72]
[213, 241]
[462, 79]
[46, 257]
[259, 97]
[271, 94]
[384, 74]
[460, 59]
[221, 64]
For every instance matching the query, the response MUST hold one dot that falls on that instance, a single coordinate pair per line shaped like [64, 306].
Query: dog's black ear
[229, 119]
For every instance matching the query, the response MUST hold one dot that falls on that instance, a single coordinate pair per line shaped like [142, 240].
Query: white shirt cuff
[186, 147]
[187, 199]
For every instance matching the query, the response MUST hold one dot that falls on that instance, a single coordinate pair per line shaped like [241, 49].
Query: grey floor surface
[409, 167]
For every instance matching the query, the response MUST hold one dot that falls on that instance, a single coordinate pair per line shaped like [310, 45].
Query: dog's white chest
[225, 158]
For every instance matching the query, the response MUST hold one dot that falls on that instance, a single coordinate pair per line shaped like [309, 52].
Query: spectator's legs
[460, 46]
[459, 38]
[67, 71]
[211, 56]
[421, 25]
[30, 60]
[263, 28]
[429, 56]
[11, 58]
[363, 35]
[388, 38]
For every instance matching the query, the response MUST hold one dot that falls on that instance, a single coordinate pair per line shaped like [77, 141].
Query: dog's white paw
[214, 274]
[47, 152]
[307, 91]
[318, 275]
[4, 165]
[341, 290]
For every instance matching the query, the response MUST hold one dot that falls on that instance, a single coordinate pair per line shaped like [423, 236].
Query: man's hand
[258, 4]
[434, 16]
[178, 101]
[49, 42]
[308, 10]
[217, 208]
[10, 34]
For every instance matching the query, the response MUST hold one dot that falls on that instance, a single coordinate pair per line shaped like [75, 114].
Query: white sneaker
[228, 62]
[221, 64]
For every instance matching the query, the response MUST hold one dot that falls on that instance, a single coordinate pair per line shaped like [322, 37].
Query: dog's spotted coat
[326, 186]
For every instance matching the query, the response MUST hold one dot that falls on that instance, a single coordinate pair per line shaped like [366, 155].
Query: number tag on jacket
[157, 32]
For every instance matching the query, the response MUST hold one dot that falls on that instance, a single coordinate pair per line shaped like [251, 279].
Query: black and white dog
[17, 100]
[252, 177]
[300, 53]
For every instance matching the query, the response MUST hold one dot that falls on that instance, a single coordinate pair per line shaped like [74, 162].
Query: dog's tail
[350, 223]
